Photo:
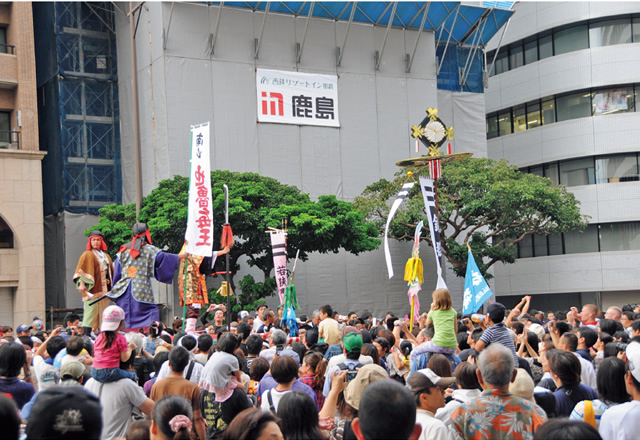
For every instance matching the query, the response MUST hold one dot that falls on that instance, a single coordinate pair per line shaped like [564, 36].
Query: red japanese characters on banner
[199, 234]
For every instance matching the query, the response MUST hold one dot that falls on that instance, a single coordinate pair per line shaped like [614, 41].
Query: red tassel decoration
[227, 236]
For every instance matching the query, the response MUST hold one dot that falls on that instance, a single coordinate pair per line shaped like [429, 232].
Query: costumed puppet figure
[93, 277]
[197, 295]
[136, 263]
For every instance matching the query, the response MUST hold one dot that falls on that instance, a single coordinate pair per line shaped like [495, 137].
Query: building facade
[562, 102]
[21, 227]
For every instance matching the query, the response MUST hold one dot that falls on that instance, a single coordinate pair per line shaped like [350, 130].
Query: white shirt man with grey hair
[496, 413]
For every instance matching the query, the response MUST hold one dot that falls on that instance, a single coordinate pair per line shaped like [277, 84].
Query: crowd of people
[508, 374]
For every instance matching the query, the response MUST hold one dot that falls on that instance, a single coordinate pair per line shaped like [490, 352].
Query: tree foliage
[255, 204]
[489, 205]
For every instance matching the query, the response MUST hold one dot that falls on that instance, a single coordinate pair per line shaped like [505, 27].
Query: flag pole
[226, 274]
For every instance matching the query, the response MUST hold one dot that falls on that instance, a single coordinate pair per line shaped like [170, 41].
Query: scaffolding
[84, 76]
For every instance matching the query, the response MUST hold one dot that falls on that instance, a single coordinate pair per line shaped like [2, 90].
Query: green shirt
[444, 327]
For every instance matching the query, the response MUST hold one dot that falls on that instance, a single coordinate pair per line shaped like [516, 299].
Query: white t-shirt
[339, 358]
[46, 374]
[621, 422]
[275, 396]
[459, 396]
[119, 399]
[195, 374]
[432, 428]
[588, 375]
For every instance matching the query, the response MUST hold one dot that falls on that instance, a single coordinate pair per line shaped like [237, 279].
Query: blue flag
[476, 289]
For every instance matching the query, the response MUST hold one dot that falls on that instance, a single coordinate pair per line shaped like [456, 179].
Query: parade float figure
[136, 263]
[196, 286]
[93, 278]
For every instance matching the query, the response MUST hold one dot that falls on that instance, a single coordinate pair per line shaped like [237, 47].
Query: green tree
[255, 204]
[489, 205]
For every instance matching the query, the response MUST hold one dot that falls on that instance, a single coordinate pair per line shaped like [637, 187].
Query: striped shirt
[500, 334]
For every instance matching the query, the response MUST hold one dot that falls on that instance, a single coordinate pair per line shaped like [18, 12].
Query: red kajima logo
[273, 105]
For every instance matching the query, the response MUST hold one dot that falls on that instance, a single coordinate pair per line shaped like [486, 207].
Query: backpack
[352, 370]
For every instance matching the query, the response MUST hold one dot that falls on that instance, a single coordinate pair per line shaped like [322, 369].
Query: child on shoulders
[111, 347]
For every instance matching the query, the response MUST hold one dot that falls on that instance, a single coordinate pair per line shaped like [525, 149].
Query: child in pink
[111, 347]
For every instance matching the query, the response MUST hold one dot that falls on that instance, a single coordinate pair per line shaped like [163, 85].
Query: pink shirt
[109, 357]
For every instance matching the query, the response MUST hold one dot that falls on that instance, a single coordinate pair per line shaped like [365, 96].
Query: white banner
[199, 234]
[404, 192]
[429, 195]
[279, 250]
[297, 98]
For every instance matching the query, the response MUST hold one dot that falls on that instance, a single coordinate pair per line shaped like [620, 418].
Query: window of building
[502, 62]
[525, 247]
[612, 169]
[636, 29]
[576, 105]
[504, 123]
[537, 171]
[608, 33]
[555, 244]
[519, 119]
[548, 110]
[551, 172]
[545, 46]
[578, 242]
[620, 100]
[6, 235]
[530, 52]
[533, 115]
[5, 129]
[577, 172]
[516, 56]
[619, 237]
[492, 126]
[3, 40]
[570, 40]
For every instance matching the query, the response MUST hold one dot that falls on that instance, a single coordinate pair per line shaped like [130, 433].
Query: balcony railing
[7, 48]
[10, 139]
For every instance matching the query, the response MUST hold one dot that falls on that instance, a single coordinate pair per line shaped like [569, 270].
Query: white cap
[633, 358]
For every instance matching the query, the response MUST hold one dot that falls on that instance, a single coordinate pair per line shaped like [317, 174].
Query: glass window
[6, 235]
[610, 101]
[608, 33]
[551, 172]
[516, 58]
[545, 45]
[3, 40]
[519, 119]
[533, 115]
[504, 123]
[555, 244]
[536, 171]
[525, 247]
[576, 242]
[502, 62]
[540, 245]
[570, 40]
[577, 172]
[636, 30]
[577, 105]
[548, 110]
[611, 169]
[620, 237]
[492, 127]
[5, 129]
[530, 52]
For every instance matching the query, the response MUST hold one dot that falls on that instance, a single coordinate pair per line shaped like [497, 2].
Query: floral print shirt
[496, 415]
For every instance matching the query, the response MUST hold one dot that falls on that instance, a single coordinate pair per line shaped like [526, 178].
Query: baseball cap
[242, 314]
[523, 385]
[38, 325]
[111, 318]
[72, 370]
[537, 329]
[496, 312]
[23, 328]
[442, 382]
[633, 358]
[352, 341]
[367, 375]
[65, 413]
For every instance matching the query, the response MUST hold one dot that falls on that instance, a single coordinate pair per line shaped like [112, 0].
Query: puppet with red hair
[93, 278]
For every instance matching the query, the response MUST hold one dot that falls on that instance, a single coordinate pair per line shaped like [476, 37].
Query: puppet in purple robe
[135, 264]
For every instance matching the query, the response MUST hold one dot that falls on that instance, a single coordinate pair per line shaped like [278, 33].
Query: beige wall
[22, 267]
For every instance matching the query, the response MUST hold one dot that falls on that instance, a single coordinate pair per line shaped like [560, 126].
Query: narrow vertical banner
[279, 250]
[404, 192]
[428, 193]
[199, 234]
